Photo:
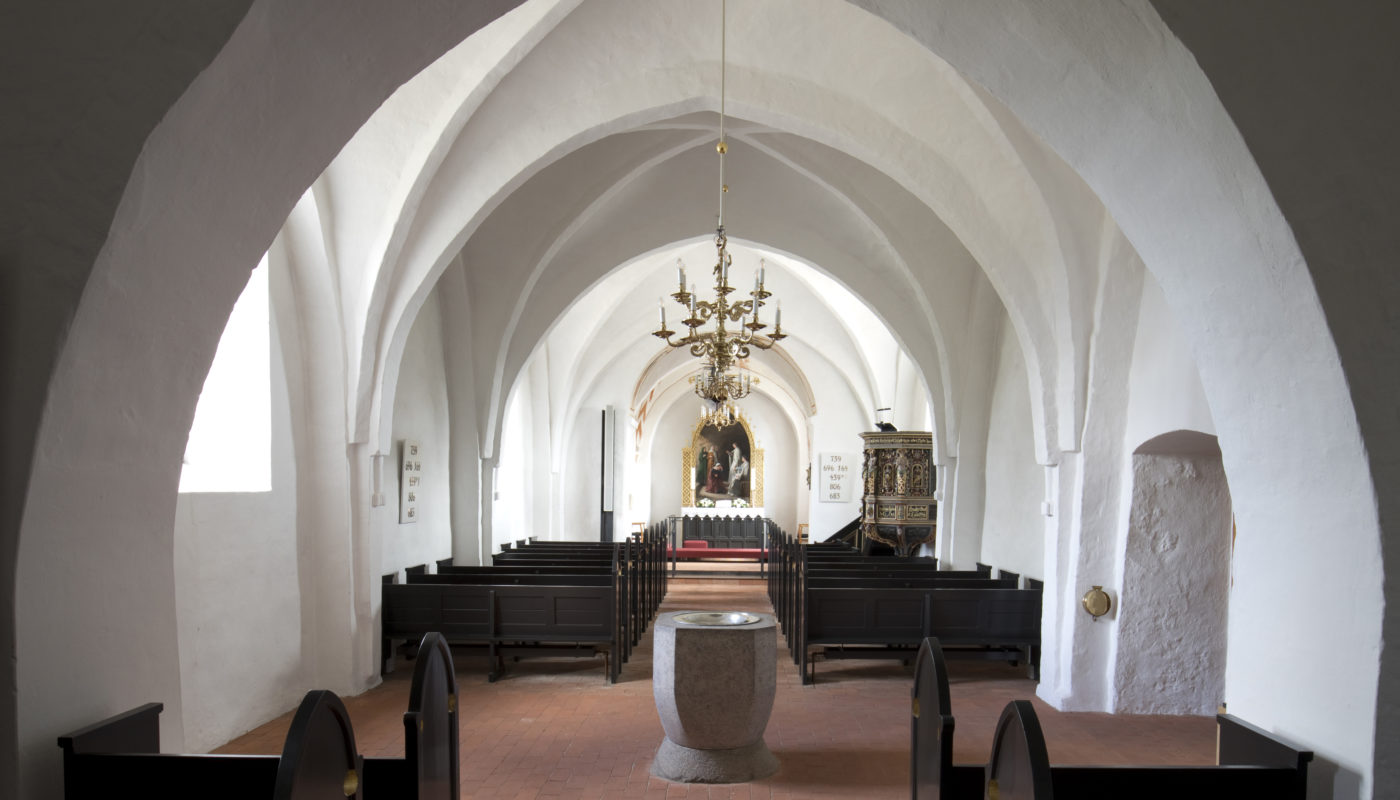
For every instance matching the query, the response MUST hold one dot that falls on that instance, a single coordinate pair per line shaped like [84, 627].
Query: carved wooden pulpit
[898, 507]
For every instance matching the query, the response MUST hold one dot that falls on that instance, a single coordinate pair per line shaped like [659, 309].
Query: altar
[718, 533]
[721, 511]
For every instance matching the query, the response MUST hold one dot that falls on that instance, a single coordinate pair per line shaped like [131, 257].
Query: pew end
[121, 754]
[319, 756]
[429, 769]
[1020, 765]
[932, 726]
[134, 731]
[1243, 743]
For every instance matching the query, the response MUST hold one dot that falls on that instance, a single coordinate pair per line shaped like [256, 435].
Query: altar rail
[731, 534]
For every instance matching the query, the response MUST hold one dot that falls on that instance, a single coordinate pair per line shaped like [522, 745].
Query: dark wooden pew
[615, 557]
[526, 568]
[903, 582]
[817, 571]
[644, 558]
[529, 556]
[891, 622]
[516, 579]
[637, 564]
[120, 756]
[1250, 762]
[800, 568]
[510, 620]
[429, 769]
[794, 561]
[531, 604]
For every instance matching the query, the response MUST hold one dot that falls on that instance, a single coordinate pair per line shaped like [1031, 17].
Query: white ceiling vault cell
[901, 183]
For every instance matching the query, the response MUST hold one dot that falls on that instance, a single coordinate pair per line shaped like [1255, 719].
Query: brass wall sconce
[1097, 602]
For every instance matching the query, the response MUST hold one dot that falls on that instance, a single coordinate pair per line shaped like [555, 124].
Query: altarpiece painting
[723, 466]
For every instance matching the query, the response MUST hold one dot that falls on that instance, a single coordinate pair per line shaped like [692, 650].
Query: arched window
[230, 444]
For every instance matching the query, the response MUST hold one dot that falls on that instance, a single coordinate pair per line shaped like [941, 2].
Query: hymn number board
[836, 475]
[410, 481]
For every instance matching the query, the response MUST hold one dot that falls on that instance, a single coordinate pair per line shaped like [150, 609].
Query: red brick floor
[556, 729]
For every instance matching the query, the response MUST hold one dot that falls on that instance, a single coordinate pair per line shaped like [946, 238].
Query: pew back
[900, 615]
[497, 614]
[595, 578]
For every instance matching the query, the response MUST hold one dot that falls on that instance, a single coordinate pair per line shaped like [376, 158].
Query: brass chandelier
[718, 415]
[721, 387]
[720, 346]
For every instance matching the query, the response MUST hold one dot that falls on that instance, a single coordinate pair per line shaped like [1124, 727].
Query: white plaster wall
[1176, 587]
[511, 506]
[539, 479]
[782, 473]
[673, 430]
[1012, 531]
[836, 428]
[1164, 386]
[420, 414]
[237, 597]
[581, 482]
[636, 467]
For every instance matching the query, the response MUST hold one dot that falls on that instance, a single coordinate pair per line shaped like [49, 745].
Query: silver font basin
[718, 618]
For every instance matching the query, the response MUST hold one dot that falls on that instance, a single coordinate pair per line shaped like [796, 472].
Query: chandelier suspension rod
[722, 146]
[719, 347]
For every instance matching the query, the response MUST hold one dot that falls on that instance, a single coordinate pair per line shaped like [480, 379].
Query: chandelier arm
[665, 336]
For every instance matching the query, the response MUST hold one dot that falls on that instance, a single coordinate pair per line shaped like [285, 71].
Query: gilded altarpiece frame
[701, 436]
